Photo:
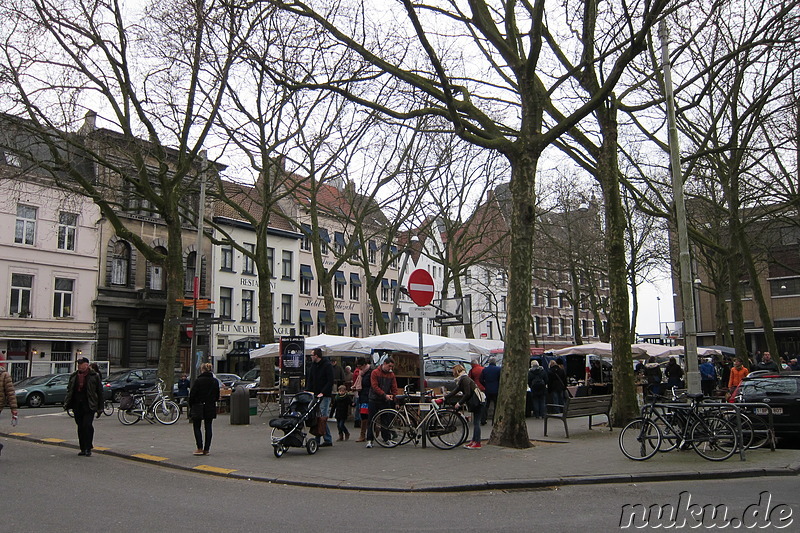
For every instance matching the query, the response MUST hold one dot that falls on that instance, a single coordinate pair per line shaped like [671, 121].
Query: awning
[305, 272]
[393, 249]
[373, 246]
[340, 320]
[305, 229]
[320, 317]
[355, 320]
[339, 278]
[384, 283]
[323, 234]
[385, 316]
[305, 317]
[338, 238]
[354, 279]
[394, 284]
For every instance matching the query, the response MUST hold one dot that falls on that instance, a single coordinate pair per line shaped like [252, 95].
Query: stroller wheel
[278, 450]
[311, 446]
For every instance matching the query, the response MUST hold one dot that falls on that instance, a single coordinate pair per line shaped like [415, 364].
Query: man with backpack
[537, 382]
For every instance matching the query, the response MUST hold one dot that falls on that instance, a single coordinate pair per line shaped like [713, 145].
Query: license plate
[765, 411]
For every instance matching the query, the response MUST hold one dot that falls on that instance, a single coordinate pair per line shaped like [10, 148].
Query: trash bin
[240, 406]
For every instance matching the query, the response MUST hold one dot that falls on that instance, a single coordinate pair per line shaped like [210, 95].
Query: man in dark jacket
[490, 379]
[85, 398]
[319, 380]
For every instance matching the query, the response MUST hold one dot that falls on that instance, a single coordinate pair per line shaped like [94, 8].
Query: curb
[488, 485]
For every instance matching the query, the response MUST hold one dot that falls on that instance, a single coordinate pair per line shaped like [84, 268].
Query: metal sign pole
[421, 374]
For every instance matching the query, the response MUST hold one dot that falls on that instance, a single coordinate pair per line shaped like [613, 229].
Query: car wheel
[116, 395]
[36, 400]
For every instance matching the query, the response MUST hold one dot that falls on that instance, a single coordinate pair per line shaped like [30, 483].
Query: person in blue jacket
[708, 377]
[490, 379]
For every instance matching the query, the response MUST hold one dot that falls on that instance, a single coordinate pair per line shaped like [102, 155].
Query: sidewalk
[244, 452]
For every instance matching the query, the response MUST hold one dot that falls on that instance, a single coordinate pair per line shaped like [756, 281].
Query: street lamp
[660, 334]
[396, 299]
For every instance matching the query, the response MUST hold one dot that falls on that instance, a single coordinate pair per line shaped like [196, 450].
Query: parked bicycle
[149, 405]
[664, 427]
[444, 427]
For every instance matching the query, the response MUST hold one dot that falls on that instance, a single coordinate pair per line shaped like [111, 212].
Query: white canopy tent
[332, 345]
[408, 341]
[596, 348]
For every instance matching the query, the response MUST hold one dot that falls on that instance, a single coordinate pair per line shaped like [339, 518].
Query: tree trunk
[510, 428]
[170, 335]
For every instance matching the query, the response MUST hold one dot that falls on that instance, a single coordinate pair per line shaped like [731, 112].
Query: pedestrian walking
[708, 377]
[537, 383]
[362, 386]
[319, 381]
[556, 385]
[85, 398]
[490, 379]
[341, 410]
[8, 397]
[203, 397]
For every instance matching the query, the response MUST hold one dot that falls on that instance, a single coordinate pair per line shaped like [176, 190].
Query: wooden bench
[582, 406]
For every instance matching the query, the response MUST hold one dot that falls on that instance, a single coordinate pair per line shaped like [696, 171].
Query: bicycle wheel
[388, 427]
[747, 435]
[761, 431]
[166, 411]
[131, 416]
[670, 424]
[446, 429]
[639, 440]
[714, 438]
[460, 414]
[108, 408]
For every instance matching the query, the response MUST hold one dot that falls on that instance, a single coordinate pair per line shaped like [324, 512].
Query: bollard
[240, 406]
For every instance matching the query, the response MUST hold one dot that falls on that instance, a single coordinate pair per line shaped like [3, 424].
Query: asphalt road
[52, 489]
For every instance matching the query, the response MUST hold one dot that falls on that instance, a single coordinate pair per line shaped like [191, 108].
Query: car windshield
[252, 374]
[116, 375]
[769, 387]
[36, 380]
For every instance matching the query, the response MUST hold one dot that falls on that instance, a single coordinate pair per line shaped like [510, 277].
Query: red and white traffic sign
[189, 330]
[420, 287]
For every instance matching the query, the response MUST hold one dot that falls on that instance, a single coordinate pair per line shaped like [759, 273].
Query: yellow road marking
[207, 468]
[20, 434]
[149, 457]
[101, 448]
[53, 440]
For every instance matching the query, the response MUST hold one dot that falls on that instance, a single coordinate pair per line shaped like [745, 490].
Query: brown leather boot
[341, 438]
[363, 435]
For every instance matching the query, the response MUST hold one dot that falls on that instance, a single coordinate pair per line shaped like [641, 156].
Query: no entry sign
[420, 287]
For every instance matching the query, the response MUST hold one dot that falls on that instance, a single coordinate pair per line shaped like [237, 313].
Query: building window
[67, 230]
[226, 261]
[286, 309]
[286, 264]
[247, 305]
[225, 302]
[21, 290]
[305, 242]
[338, 285]
[306, 277]
[546, 297]
[355, 325]
[355, 287]
[372, 252]
[25, 230]
[503, 304]
[561, 326]
[537, 325]
[120, 263]
[489, 328]
[549, 326]
[341, 324]
[338, 243]
[568, 328]
[320, 322]
[191, 272]
[385, 290]
[153, 342]
[62, 297]
[784, 286]
[116, 342]
[271, 261]
[248, 265]
[561, 299]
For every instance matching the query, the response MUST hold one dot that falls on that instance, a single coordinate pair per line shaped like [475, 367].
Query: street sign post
[420, 287]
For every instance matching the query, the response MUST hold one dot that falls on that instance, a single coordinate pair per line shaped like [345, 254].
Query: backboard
[453, 311]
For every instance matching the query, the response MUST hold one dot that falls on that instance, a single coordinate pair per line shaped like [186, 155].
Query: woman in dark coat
[674, 374]
[203, 398]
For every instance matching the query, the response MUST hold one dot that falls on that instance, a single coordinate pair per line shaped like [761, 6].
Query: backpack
[536, 381]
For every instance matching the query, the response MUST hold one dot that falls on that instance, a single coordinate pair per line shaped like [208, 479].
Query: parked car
[228, 379]
[129, 381]
[780, 391]
[41, 390]
[439, 370]
[251, 379]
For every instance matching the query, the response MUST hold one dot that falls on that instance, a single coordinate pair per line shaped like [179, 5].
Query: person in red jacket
[383, 389]
[475, 374]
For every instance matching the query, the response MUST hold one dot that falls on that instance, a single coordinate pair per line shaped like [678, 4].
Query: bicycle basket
[126, 402]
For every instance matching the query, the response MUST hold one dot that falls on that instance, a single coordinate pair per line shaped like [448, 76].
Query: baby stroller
[301, 411]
